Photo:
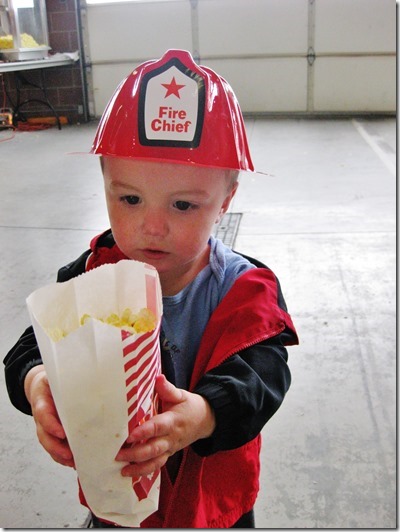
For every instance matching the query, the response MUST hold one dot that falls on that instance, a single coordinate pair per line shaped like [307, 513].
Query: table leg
[20, 81]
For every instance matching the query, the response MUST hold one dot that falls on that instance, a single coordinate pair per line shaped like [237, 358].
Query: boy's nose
[154, 224]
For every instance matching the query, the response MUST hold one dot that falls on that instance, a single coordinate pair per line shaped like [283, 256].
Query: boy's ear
[227, 202]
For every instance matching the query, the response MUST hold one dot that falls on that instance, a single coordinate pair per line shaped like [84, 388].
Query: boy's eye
[183, 205]
[131, 200]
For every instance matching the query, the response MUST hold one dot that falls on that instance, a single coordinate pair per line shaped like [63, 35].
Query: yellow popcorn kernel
[56, 334]
[113, 319]
[84, 319]
[128, 317]
[143, 321]
[146, 321]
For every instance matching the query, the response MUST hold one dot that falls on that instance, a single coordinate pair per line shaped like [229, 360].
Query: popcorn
[6, 42]
[143, 321]
[27, 41]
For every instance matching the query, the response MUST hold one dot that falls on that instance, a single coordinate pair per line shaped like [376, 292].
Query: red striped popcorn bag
[102, 374]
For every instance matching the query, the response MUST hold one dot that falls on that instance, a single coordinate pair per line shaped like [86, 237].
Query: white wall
[260, 47]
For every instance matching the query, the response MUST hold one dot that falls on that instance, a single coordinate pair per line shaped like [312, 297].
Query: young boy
[172, 143]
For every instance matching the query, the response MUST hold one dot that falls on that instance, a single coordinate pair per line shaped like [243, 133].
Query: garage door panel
[242, 27]
[355, 84]
[266, 85]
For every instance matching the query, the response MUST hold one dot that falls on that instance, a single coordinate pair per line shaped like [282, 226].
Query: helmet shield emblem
[171, 106]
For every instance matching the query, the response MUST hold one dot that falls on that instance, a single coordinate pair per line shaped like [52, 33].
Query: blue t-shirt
[186, 314]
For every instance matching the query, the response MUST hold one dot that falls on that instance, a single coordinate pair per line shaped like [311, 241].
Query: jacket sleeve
[25, 354]
[245, 391]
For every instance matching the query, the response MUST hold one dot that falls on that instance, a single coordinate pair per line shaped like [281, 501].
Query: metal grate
[228, 227]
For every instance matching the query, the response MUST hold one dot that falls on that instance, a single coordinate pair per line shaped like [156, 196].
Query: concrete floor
[325, 223]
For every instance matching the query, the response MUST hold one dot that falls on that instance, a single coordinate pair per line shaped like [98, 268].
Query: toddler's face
[163, 214]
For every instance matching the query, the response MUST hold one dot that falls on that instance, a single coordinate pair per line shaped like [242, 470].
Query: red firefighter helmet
[175, 111]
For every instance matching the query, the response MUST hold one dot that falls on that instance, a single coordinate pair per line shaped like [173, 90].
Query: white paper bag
[102, 379]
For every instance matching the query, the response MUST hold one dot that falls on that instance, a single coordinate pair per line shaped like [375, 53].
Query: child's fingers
[149, 429]
[58, 448]
[45, 414]
[49, 430]
[158, 426]
[43, 408]
[141, 452]
[167, 392]
[145, 468]
[161, 436]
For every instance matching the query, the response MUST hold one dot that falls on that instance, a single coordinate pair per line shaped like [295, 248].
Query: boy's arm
[244, 392]
[19, 361]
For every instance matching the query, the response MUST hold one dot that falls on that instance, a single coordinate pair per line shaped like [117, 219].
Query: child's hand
[186, 417]
[48, 427]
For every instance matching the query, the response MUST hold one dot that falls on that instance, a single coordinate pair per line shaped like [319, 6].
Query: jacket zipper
[246, 345]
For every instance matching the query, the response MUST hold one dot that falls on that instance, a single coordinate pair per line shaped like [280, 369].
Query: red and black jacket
[241, 369]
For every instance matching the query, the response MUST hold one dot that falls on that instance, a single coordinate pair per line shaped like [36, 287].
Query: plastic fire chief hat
[173, 110]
